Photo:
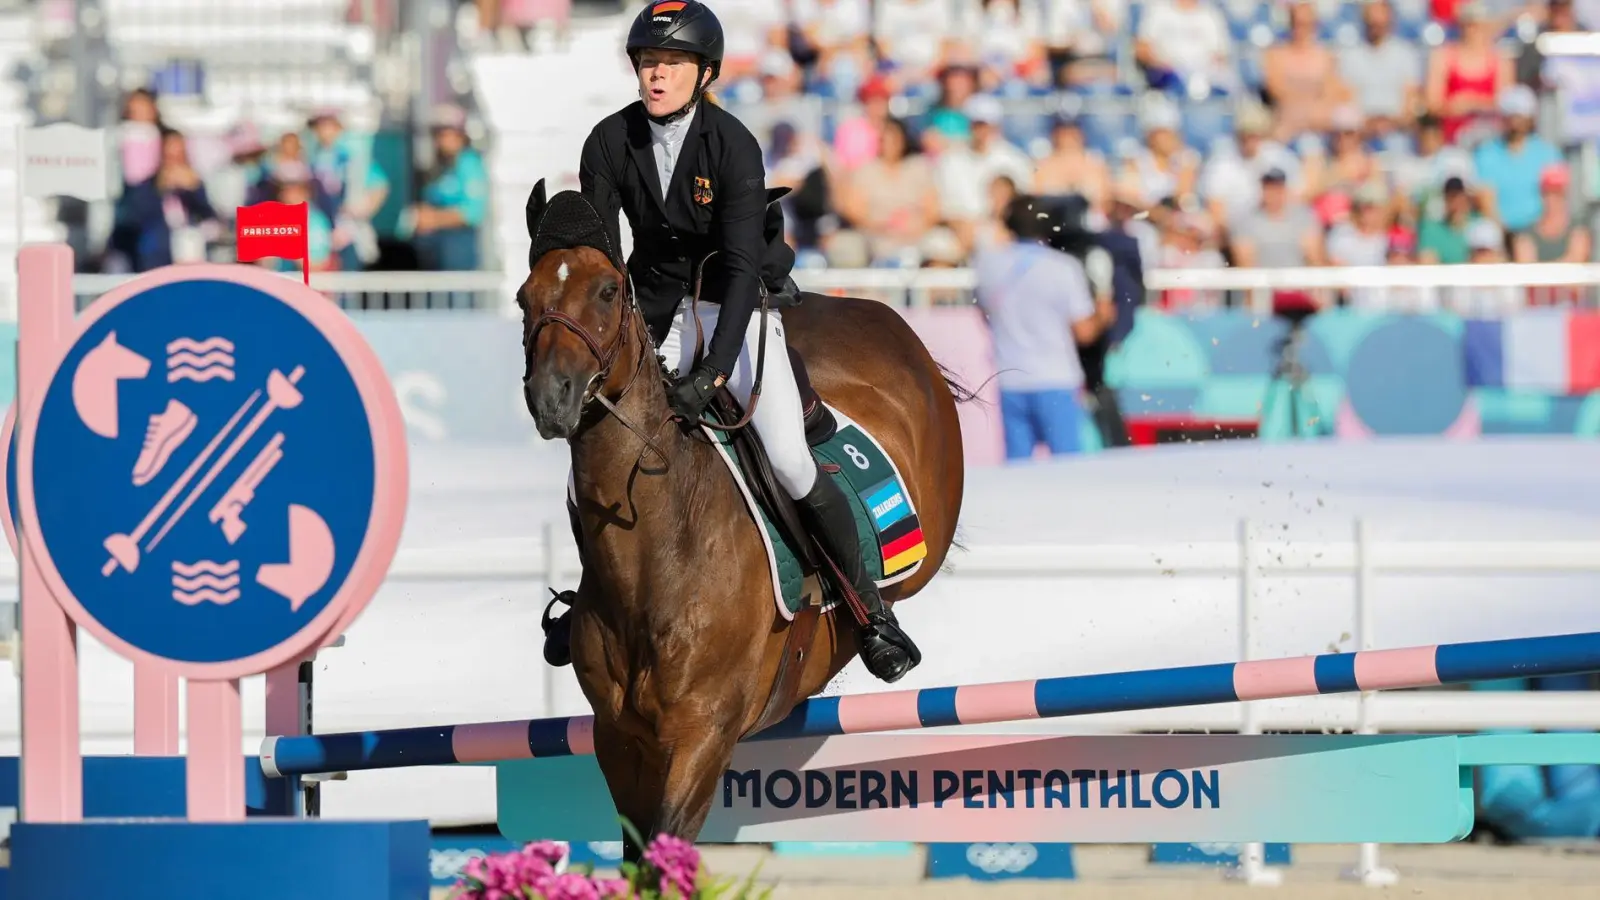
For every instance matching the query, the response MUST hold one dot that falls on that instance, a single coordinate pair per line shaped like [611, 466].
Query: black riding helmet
[686, 25]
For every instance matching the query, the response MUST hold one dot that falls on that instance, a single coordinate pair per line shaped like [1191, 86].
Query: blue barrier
[1214, 854]
[1001, 861]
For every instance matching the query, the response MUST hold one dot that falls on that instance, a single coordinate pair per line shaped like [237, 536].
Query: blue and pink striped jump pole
[977, 704]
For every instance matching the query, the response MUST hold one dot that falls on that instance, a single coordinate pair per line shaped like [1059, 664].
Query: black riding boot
[558, 629]
[886, 650]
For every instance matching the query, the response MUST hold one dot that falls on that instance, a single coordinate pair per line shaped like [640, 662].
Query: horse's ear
[535, 209]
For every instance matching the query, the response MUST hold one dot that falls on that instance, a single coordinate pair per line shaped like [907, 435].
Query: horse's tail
[961, 392]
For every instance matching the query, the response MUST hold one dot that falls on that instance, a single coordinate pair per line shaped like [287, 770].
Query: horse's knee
[694, 769]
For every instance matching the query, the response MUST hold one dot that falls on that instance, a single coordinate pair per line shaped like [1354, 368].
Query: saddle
[820, 426]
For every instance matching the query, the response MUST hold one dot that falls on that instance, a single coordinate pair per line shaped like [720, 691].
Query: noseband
[629, 320]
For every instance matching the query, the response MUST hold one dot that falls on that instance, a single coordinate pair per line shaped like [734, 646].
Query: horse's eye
[609, 292]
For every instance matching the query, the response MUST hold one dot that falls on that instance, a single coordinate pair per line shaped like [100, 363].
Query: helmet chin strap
[700, 85]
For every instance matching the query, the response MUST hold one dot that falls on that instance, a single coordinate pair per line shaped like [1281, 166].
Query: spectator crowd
[1241, 133]
[179, 194]
[1063, 148]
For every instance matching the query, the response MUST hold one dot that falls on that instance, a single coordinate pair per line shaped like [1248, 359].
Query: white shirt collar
[672, 132]
[666, 141]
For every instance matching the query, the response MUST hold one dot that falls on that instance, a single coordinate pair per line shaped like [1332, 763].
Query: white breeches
[779, 420]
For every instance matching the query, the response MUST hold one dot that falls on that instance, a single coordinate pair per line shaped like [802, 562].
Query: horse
[675, 640]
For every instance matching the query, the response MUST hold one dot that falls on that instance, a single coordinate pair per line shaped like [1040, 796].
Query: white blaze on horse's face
[573, 311]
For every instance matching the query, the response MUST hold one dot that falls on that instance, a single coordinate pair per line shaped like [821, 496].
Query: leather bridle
[629, 320]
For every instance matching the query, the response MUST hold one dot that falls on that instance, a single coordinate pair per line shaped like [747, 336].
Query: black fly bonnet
[566, 222]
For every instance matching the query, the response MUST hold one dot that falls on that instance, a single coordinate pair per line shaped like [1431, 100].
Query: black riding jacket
[717, 202]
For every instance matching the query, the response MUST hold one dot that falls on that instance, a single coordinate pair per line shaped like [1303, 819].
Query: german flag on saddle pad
[899, 530]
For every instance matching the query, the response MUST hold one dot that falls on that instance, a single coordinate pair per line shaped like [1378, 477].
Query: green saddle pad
[891, 539]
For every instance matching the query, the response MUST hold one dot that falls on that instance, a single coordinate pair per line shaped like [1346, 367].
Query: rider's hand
[693, 391]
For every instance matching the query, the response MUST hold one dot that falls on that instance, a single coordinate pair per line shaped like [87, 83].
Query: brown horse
[675, 640]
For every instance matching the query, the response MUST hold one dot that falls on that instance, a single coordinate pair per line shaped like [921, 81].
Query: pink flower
[677, 861]
[613, 888]
[669, 851]
[530, 869]
[551, 852]
[477, 868]
[677, 882]
[570, 886]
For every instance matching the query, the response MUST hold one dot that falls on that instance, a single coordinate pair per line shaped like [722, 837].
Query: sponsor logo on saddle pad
[887, 502]
[882, 509]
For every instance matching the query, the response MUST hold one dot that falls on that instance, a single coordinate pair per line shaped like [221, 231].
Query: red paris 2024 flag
[274, 229]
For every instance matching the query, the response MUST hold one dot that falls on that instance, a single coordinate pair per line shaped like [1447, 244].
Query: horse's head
[577, 314]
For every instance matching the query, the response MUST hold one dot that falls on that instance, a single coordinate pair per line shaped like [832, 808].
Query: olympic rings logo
[992, 859]
[449, 864]
[445, 864]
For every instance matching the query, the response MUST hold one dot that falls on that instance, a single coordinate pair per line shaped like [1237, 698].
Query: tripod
[1293, 376]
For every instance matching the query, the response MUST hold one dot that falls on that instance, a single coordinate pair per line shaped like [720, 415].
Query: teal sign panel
[959, 788]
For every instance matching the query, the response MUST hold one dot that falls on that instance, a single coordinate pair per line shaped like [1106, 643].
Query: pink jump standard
[52, 760]
[134, 559]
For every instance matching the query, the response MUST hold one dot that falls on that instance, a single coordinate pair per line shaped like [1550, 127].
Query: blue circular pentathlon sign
[213, 480]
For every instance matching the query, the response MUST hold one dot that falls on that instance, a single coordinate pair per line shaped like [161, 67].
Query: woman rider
[689, 176]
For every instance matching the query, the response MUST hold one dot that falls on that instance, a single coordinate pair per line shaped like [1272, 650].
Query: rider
[690, 178]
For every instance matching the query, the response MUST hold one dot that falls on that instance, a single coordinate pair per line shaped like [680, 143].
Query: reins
[630, 320]
[761, 348]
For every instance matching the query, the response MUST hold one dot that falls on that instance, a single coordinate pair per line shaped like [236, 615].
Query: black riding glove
[693, 392]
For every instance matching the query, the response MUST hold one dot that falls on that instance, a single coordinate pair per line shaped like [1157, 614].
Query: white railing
[1302, 278]
[376, 290]
[1418, 286]
[917, 287]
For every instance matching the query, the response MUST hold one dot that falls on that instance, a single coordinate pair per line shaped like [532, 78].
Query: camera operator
[1110, 258]
[1040, 310]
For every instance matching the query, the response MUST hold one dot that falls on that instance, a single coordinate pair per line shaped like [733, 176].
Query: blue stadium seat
[916, 124]
[1239, 28]
[1106, 124]
[1023, 129]
[1102, 89]
[1349, 12]
[1410, 17]
[830, 124]
[822, 87]
[1204, 122]
[1251, 73]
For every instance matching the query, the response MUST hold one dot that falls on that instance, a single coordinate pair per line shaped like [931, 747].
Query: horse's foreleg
[634, 778]
[699, 752]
